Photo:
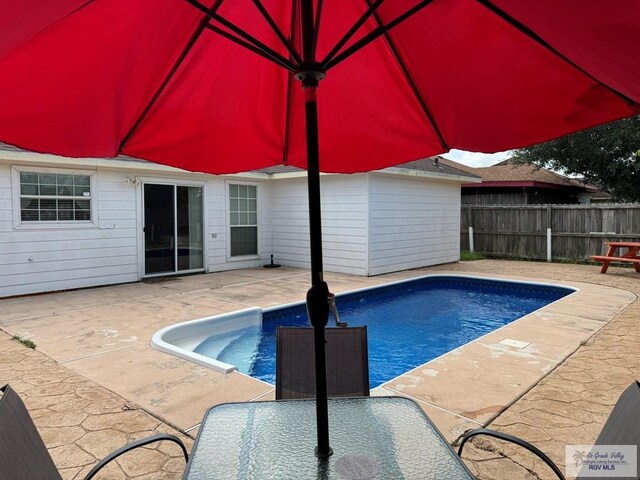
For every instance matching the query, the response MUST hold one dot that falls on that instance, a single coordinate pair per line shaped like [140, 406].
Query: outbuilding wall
[413, 223]
[344, 222]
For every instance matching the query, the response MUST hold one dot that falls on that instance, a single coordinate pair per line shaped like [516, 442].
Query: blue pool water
[408, 324]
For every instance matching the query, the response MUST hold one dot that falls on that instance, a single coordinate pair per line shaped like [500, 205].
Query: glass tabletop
[372, 438]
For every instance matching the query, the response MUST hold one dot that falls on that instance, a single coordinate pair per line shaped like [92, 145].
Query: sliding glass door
[173, 229]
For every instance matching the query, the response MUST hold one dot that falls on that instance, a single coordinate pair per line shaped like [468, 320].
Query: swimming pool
[408, 323]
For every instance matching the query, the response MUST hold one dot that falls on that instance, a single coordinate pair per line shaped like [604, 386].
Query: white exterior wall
[413, 223]
[37, 258]
[344, 223]
[110, 250]
[217, 247]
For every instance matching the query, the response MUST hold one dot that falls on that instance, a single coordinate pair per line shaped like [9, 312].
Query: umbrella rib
[280, 61]
[375, 34]
[316, 30]
[196, 34]
[287, 119]
[521, 27]
[287, 44]
[412, 84]
[356, 26]
[244, 35]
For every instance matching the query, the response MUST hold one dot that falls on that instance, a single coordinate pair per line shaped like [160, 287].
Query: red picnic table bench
[632, 255]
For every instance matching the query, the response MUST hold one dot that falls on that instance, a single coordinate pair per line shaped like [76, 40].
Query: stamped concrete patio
[97, 341]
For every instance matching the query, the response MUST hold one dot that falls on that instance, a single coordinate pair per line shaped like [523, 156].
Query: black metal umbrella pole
[317, 296]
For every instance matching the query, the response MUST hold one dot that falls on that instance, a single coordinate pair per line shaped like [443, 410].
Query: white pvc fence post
[471, 248]
[548, 244]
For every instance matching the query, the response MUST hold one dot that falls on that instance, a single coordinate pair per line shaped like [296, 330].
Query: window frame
[16, 195]
[256, 255]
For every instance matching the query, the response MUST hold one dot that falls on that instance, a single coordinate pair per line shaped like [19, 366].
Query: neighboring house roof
[509, 174]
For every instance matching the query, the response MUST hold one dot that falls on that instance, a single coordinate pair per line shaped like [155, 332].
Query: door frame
[140, 183]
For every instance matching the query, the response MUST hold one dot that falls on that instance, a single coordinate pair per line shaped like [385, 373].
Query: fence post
[471, 247]
[548, 244]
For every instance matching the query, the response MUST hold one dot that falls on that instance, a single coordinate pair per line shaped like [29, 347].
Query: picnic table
[632, 255]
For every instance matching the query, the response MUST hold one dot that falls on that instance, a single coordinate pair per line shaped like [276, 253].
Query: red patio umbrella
[210, 86]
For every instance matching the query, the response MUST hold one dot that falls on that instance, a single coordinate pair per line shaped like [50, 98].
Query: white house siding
[111, 250]
[413, 223]
[43, 258]
[344, 223]
[216, 228]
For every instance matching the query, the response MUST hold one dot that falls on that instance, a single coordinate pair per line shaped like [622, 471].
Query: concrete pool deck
[103, 335]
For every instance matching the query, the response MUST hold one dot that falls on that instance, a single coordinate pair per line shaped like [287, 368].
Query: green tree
[607, 156]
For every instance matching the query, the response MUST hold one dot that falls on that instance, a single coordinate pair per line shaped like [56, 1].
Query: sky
[474, 159]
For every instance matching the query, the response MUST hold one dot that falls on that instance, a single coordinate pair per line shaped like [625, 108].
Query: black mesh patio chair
[621, 428]
[23, 455]
[347, 362]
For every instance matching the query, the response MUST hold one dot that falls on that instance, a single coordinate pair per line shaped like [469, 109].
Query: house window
[54, 197]
[243, 215]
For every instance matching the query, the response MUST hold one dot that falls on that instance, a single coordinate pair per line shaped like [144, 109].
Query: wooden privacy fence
[572, 232]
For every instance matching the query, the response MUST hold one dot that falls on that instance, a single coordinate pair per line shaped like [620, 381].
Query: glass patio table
[371, 437]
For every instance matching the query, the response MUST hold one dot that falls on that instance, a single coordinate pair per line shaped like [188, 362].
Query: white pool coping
[181, 338]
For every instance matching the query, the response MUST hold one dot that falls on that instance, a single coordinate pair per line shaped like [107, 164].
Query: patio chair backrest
[347, 362]
[623, 425]
[23, 455]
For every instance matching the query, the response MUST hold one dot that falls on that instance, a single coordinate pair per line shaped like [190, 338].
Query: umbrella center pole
[318, 295]
[318, 311]
[310, 86]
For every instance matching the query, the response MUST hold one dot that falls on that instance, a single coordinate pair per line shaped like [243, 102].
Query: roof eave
[139, 164]
[407, 172]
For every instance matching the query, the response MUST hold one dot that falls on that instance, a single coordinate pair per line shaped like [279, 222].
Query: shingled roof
[435, 164]
[507, 171]
[438, 164]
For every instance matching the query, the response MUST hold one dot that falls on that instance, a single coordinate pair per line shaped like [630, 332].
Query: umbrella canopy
[209, 85]
[152, 80]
